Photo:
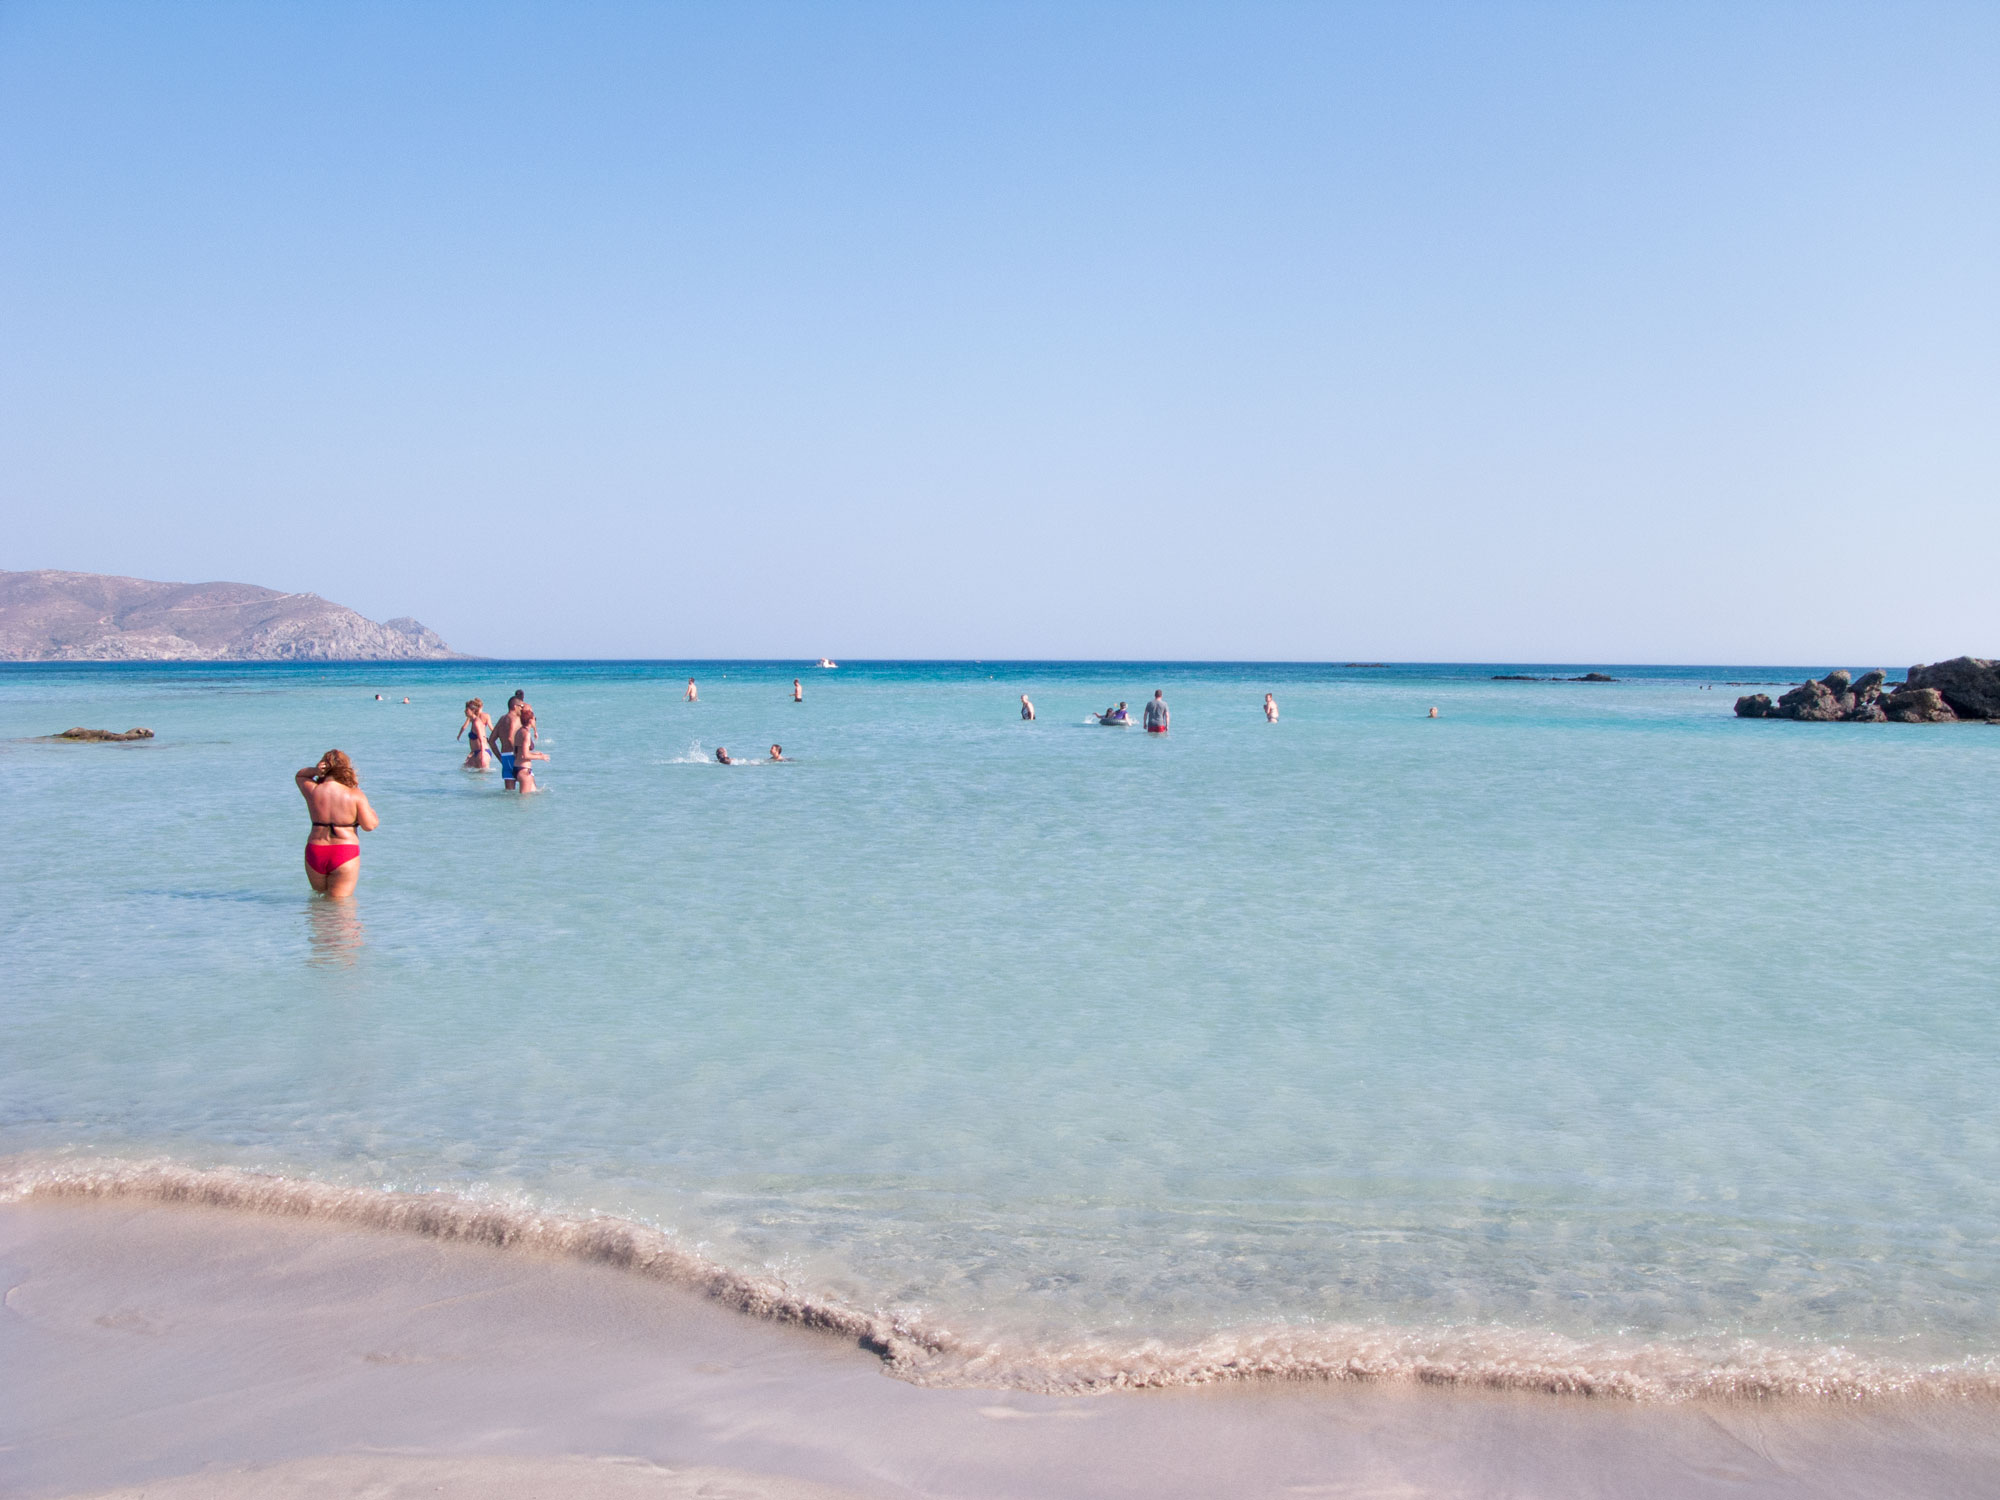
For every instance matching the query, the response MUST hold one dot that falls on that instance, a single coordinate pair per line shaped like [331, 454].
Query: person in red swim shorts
[340, 811]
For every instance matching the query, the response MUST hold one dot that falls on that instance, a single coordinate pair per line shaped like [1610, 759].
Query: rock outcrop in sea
[1966, 687]
[51, 616]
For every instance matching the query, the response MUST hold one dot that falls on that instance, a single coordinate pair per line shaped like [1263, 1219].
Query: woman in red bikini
[340, 811]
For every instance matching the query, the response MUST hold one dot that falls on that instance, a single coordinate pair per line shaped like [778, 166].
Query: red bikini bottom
[324, 859]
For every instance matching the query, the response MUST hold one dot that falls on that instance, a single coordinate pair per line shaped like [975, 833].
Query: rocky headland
[51, 616]
[1966, 687]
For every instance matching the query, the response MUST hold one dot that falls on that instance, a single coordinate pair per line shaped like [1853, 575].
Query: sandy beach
[170, 1351]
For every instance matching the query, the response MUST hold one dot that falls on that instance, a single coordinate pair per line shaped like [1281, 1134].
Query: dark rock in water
[1513, 677]
[1917, 705]
[1840, 696]
[1593, 677]
[105, 734]
[1811, 703]
[1970, 684]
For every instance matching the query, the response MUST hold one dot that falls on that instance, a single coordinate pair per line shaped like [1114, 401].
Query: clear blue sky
[1584, 332]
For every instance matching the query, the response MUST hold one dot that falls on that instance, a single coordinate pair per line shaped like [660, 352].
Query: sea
[1580, 1037]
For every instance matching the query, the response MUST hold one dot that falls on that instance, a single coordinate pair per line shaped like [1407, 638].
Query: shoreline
[196, 1350]
[1539, 1365]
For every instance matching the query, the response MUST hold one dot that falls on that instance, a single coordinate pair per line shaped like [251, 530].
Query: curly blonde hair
[335, 766]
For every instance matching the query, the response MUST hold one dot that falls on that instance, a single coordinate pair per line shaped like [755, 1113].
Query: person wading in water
[340, 812]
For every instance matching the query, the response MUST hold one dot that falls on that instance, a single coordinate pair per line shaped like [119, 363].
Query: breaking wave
[923, 1353]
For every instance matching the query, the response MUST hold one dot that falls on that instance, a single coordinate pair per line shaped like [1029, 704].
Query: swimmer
[525, 753]
[1027, 708]
[406, 700]
[722, 756]
[340, 811]
[1434, 713]
[378, 697]
[690, 696]
[798, 693]
[477, 722]
[1270, 709]
[777, 752]
[1157, 717]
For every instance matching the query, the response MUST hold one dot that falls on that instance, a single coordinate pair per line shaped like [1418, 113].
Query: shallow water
[1583, 1009]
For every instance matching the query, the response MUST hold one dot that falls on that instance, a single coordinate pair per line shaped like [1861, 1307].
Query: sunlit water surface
[1582, 1007]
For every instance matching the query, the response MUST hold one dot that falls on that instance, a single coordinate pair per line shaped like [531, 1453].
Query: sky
[1407, 331]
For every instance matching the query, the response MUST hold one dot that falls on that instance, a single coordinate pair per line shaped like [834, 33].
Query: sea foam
[923, 1353]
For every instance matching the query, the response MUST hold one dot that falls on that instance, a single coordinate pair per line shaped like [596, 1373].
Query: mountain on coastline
[51, 616]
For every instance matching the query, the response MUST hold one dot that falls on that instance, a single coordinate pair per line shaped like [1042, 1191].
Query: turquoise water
[1583, 1009]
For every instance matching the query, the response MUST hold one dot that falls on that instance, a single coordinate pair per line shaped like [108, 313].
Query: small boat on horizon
[828, 662]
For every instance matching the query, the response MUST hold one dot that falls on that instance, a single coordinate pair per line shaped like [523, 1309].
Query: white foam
[919, 1351]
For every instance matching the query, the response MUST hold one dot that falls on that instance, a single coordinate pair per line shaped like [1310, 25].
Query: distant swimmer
[1434, 713]
[525, 753]
[340, 812]
[690, 696]
[477, 722]
[722, 756]
[1270, 709]
[1027, 708]
[798, 693]
[378, 697]
[1156, 713]
[777, 752]
[1114, 716]
[406, 700]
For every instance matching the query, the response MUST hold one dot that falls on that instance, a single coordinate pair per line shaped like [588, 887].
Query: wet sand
[174, 1352]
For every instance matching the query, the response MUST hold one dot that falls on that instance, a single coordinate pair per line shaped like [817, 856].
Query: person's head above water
[722, 754]
[777, 752]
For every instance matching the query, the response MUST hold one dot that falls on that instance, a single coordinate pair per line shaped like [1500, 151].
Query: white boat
[828, 663]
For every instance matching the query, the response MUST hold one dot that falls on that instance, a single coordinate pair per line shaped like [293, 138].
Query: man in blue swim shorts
[503, 737]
